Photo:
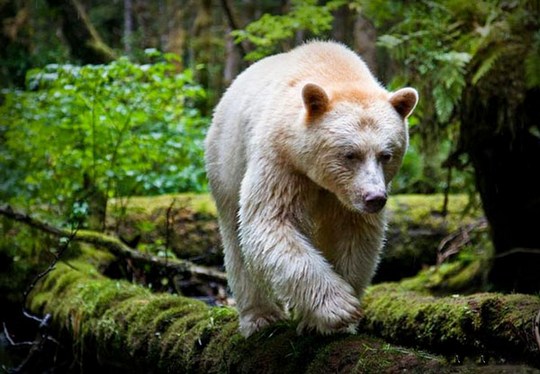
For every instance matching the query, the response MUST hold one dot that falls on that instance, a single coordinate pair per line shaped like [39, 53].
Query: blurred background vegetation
[111, 99]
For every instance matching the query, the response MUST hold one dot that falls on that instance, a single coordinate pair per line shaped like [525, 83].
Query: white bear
[300, 155]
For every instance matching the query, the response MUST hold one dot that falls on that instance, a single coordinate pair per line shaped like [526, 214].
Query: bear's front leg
[277, 253]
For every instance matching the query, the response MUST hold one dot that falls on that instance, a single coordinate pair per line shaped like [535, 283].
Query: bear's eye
[350, 156]
[385, 157]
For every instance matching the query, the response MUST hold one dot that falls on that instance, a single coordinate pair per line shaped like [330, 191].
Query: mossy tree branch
[116, 247]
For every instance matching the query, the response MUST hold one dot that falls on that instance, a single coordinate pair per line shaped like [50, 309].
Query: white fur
[292, 211]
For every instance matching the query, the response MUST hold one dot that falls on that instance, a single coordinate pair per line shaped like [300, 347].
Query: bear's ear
[404, 101]
[315, 100]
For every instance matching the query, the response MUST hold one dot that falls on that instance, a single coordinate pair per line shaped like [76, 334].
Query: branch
[518, 250]
[116, 247]
[457, 239]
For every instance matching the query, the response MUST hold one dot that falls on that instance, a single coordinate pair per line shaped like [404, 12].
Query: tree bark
[502, 140]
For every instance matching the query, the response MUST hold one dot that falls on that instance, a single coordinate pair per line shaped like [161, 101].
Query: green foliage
[532, 63]
[456, 43]
[121, 129]
[425, 45]
[269, 31]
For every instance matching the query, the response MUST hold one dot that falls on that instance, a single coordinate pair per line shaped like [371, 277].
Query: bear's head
[353, 141]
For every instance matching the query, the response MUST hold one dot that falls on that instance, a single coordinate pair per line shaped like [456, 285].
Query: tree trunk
[232, 60]
[83, 39]
[503, 143]
[128, 26]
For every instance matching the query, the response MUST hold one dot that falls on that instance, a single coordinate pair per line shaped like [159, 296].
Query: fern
[487, 64]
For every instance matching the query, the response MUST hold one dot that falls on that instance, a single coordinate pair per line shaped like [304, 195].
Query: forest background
[105, 100]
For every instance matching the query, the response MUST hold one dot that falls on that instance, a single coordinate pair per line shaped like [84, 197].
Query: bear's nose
[374, 201]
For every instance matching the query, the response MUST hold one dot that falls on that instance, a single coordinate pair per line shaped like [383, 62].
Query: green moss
[220, 350]
[464, 274]
[201, 203]
[97, 259]
[465, 325]
[426, 210]
[368, 355]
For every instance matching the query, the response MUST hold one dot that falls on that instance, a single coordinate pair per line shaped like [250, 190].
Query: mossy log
[117, 325]
[187, 222]
[485, 325]
[120, 326]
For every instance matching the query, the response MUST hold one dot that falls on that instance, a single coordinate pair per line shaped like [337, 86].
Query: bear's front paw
[254, 321]
[336, 312]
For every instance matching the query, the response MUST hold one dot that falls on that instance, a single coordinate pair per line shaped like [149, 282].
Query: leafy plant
[81, 132]
[268, 32]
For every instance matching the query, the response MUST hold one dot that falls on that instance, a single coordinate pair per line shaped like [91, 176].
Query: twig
[36, 346]
[444, 211]
[536, 329]
[169, 221]
[11, 341]
[183, 268]
[457, 239]
[518, 250]
[51, 267]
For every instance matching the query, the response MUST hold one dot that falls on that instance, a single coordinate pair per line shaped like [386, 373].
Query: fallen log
[116, 325]
[490, 326]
